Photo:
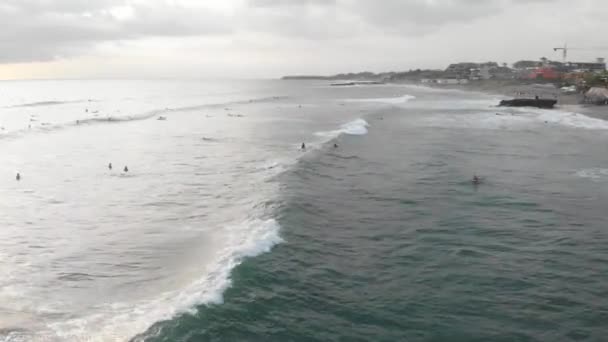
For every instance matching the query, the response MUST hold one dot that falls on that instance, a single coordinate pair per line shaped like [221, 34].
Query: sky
[271, 38]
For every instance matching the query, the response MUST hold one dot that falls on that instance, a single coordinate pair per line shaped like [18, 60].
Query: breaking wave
[46, 103]
[387, 100]
[124, 321]
[113, 118]
[574, 120]
[513, 119]
[595, 174]
[355, 127]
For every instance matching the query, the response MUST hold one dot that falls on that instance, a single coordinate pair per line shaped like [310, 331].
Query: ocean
[224, 229]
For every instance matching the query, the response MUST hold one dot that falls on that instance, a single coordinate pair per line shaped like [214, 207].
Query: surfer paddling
[476, 180]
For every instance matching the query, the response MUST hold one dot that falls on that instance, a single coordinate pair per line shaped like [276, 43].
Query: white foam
[452, 104]
[518, 118]
[355, 127]
[122, 321]
[595, 174]
[387, 100]
[472, 121]
[574, 120]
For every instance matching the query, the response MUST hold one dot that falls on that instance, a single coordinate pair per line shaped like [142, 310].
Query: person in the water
[476, 180]
[18, 176]
[303, 147]
[110, 166]
[335, 145]
[126, 169]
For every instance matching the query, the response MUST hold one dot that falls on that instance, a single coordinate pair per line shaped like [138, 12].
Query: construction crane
[565, 50]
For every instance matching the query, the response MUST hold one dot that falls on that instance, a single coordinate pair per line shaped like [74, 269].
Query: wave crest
[124, 321]
[387, 100]
[355, 127]
[595, 174]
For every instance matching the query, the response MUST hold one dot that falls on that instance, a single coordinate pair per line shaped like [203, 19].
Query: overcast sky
[270, 38]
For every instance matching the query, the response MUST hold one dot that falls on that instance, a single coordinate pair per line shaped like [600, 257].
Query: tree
[525, 64]
[596, 80]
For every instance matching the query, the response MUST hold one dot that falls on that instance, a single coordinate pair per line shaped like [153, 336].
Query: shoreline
[566, 102]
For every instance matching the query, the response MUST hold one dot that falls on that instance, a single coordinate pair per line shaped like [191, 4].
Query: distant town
[570, 77]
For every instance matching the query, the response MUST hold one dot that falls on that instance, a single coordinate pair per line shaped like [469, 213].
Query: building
[544, 73]
[501, 73]
[460, 70]
[598, 66]
[475, 71]
[552, 70]
[526, 65]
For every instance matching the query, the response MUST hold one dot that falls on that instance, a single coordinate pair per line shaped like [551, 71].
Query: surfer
[18, 176]
[126, 169]
[303, 148]
[335, 145]
[476, 180]
[110, 166]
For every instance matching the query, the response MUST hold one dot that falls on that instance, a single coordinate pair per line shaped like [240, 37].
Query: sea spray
[124, 320]
[387, 100]
[355, 127]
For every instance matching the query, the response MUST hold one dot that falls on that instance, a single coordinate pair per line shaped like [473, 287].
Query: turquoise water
[386, 239]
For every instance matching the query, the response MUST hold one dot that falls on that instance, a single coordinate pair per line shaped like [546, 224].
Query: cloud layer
[274, 30]
[41, 30]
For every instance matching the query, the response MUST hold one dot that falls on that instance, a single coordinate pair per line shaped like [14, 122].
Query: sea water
[224, 229]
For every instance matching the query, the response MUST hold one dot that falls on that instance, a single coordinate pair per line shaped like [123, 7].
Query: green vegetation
[597, 79]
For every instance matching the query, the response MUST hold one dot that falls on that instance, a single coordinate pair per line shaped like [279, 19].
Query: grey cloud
[304, 19]
[44, 30]
[404, 17]
[290, 3]
[34, 7]
[41, 30]
[175, 21]
[420, 15]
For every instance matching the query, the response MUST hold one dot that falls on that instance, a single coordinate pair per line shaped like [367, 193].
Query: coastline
[566, 102]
